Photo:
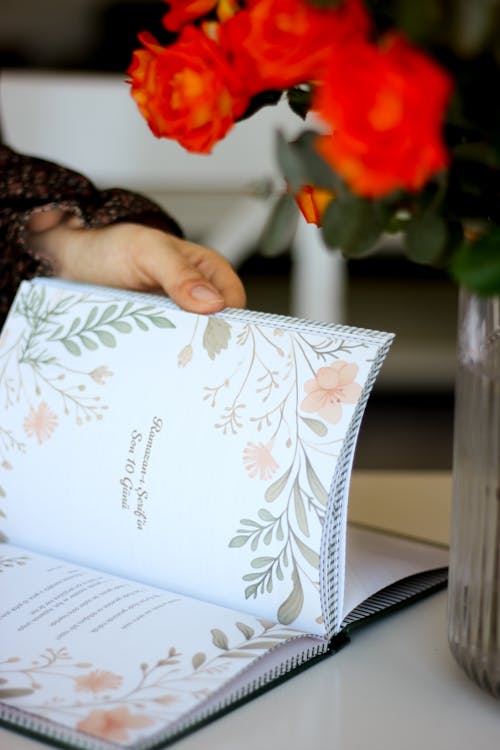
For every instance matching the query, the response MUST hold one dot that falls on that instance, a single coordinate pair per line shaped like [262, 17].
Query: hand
[133, 256]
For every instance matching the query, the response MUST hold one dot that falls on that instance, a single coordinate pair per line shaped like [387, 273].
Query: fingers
[196, 278]
[133, 256]
[218, 271]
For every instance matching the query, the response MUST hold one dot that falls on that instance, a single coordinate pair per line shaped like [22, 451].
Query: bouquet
[404, 103]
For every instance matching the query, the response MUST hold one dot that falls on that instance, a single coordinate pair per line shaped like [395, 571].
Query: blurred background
[63, 96]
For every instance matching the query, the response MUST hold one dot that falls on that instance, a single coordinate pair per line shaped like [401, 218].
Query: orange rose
[182, 12]
[186, 91]
[386, 106]
[277, 44]
[312, 202]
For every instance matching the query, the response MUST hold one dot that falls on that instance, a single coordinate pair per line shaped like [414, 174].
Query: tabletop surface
[394, 687]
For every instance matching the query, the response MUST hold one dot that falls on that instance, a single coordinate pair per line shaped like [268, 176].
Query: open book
[173, 511]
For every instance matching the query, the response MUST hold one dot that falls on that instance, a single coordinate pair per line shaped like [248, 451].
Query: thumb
[185, 284]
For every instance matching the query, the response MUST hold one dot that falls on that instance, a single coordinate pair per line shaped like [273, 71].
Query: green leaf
[279, 229]
[252, 576]
[216, 336]
[352, 224]
[476, 265]
[316, 426]
[73, 326]
[140, 323]
[290, 609]
[106, 338]
[88, 342]
[56, 333]
[91, 317]
[71, 347]
[161, 322]
[300, 511]
[290, 162]
[265, 515]
[317, 171]
[107, 314]
[251, 591]
[316, 486]
[426, 237]
[309, 554]
[238, 541]
[262, 562]
[276, 488]
[121, 325]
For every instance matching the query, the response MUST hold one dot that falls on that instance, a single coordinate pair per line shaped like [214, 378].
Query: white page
[117, 660]
[198, 457]
[376, 560]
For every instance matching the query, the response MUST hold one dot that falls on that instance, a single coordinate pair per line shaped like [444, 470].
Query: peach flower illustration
[259, 460]
[333, 385]
[97, 680]
[40, 422]
[100, 373]
[113, 724]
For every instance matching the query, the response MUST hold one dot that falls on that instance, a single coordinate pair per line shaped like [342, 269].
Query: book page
[375, 560]
[190, 452]
[117, 660]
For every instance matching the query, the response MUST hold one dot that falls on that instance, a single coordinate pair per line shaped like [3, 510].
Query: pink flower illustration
[333, 385]
[259, 460]
[113, 724]
[97, 680]
[40, 423]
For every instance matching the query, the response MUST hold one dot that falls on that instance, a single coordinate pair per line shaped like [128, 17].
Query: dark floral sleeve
[29, 184]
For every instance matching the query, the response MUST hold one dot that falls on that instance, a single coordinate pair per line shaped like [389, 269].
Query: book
[173, 511]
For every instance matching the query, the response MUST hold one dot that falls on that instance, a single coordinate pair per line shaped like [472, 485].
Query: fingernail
[205, 294]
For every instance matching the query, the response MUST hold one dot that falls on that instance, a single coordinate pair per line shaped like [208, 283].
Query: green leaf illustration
[309, 554]
[316, 486]
[71, 347]
[292, 606]
[216, 336]
[160, 322]
[261, 562]
[107, 314]
[300, 511]
[106, 338]
[277, 487]
[316, 426]
[121, 325]
[238, 541]
[88, 343]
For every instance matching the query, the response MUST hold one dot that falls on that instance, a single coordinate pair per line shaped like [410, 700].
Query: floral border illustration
[36, 371]
[303, 417]
[163, 691]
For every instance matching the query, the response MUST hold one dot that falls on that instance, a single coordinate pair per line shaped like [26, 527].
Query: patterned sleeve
[29, 184]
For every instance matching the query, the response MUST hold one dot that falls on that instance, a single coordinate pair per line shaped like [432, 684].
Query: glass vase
[474, 581]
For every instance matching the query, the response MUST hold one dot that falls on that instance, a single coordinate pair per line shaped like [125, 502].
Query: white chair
[89, 122]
